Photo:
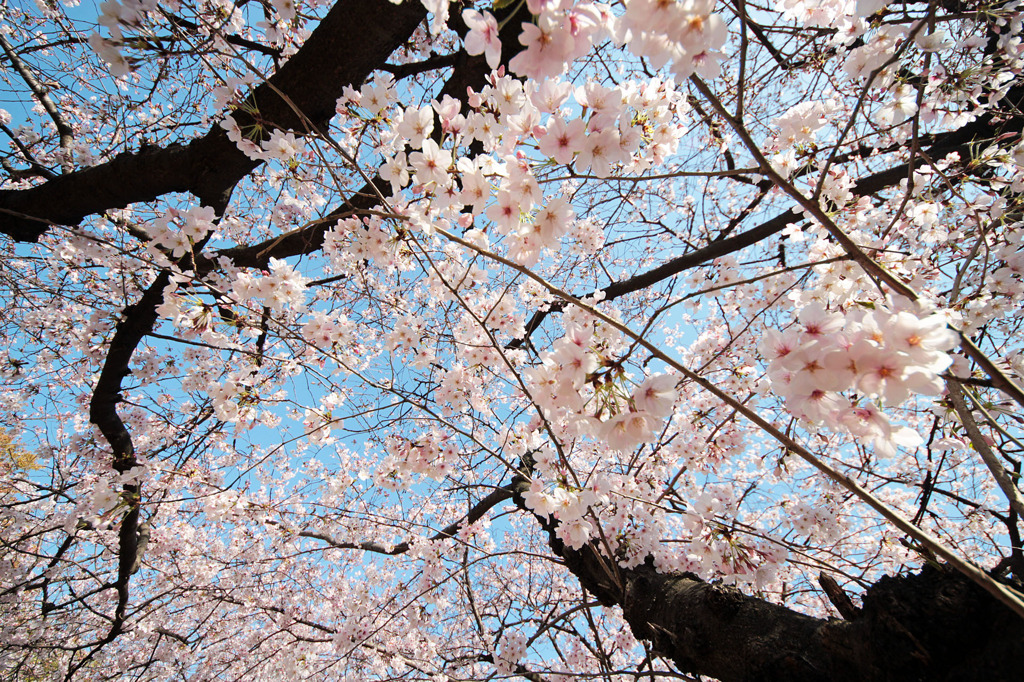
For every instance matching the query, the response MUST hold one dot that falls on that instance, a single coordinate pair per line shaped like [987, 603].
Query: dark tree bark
[354, 39]
[934, 625]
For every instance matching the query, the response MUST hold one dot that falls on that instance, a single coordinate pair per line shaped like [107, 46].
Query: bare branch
[41, 94]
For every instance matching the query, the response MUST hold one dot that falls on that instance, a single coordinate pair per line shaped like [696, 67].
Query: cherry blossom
[483, 36]
[354, 340]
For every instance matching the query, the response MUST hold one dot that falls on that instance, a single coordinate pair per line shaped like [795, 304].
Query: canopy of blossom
[362, 340]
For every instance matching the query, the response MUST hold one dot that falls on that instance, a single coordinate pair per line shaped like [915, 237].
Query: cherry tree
[539, 339]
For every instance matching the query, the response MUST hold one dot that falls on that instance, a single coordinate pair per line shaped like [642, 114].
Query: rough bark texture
[934, 625]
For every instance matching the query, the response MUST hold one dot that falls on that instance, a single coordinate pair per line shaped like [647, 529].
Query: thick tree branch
[137, 321]
[353, 40]
[468, 72]
[844, 605]
[932, 626]
[431, 63]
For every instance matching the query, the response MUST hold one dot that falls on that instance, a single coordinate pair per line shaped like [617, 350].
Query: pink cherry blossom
[562, 140]
[431, 165]
[340, 342]
[483, 36]
[656, 395]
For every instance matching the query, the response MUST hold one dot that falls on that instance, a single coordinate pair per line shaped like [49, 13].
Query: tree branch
[935, 625]
[963, 141]
[40, 92]
[497, 496]
[977, 438]
[353, 40]
[468, 72]
[181, 23]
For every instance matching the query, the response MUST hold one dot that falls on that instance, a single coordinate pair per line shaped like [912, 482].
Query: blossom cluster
[177, 231]
[277, 289]
[593, 128]
[432, 454]
[572, 390]
[566, 381]
[874, 352]
[281, 145]
[511, 650]
[686, 34]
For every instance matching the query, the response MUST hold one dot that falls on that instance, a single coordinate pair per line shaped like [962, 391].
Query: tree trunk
[933, 625]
